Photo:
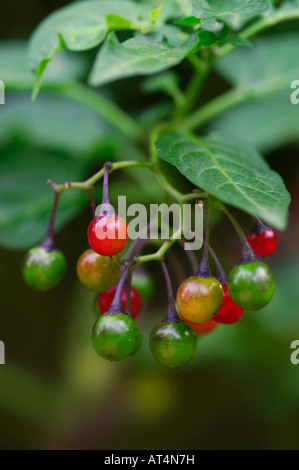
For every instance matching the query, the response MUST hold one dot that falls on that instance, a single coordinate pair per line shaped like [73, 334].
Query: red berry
[107, 236]
[229, 312]
[264, 243]
[202, 328]
[105, 299]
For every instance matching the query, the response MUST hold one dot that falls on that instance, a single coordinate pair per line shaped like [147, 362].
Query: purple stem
[220, 274]
[171, 315]
[260, 226]
[116, 305]
[139, 243]
[204, 267]
[105, 199]
[49, 243]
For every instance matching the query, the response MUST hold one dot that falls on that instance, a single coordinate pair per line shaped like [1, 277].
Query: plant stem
[171, 315]
[89, 183]
[107, 169]
[259, 26]
[102, 106]
[116, 305]
[220, 274]
[218, 106]
[48, 243]
[195, 86]
[204, 267]
[247, 253]
[158, 255]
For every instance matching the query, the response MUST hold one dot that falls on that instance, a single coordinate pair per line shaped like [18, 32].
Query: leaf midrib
[209, 153]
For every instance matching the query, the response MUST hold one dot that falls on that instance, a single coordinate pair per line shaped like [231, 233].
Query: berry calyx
[115, 336]
[202, 328]
[173, 344]
[199, 299]
[105, 300]
[96, 272]
[263, 240]
[42, 269]
[229, 311]
[251, 285]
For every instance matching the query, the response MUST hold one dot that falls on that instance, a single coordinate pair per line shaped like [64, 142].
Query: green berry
[116, 337]
[42, 269]
[173, 344]
[252, 285]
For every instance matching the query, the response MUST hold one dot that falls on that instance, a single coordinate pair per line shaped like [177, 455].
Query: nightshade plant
[146, 38]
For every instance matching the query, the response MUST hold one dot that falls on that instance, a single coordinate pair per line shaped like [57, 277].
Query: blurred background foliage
[241, 390]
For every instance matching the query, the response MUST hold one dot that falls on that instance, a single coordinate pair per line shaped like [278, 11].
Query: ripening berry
[229, 311]
[96, 272]
[105, 299]
[199, 299]
[263, 243]
[107, 236]
[202, 328]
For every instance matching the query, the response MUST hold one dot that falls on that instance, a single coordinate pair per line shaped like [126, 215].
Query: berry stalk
[171, 315]
[204, 267]
[116, 305]
[49, 242]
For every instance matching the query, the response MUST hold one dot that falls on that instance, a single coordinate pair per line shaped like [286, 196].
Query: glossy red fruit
[107, 236]
[202, 328]
[264, 243]
[105, 299]
[229, 312]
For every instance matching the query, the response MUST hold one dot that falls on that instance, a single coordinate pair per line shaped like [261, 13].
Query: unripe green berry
[116, 337]
[42, 269]
[251, 285]
[173, 344]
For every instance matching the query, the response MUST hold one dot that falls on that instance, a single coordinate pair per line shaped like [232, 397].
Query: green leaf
[231, 171]
[233, 12]
[141, 55]
[262, 75]
[26, 200]
[15, 74]
[55, 123]
[266, 123]
[167, 82]
[79, 27]
[189, 21]
[266, 67]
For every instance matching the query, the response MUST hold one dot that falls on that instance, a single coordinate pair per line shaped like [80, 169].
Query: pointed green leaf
[233, 12]
[81, 26]
[231, 171]
[141, 55]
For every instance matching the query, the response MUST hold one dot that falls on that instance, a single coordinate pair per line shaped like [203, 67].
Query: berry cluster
[203, 301]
